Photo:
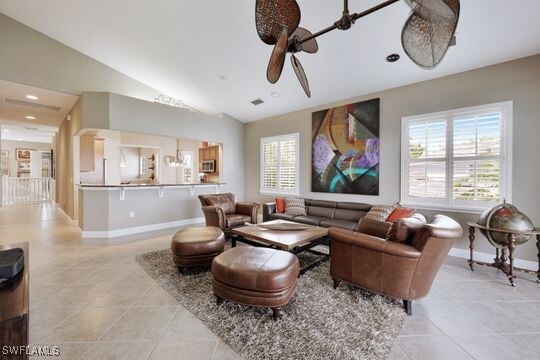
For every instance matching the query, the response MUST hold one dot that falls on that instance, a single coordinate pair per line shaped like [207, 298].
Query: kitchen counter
[84, 186]
[108, 211]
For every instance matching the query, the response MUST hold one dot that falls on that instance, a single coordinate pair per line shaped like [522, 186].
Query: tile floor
[94, 302]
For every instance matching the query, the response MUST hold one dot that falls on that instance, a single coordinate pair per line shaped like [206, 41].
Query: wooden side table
[502, 261]
[14, 308]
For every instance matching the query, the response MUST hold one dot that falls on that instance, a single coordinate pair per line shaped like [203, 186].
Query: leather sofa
[323, 213]
[222, 211]
[401, 270]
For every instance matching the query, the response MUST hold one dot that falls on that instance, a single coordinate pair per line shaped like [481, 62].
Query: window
[458, 159]
[279, 164]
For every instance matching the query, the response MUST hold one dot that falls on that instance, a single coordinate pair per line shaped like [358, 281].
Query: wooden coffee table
[295, 241]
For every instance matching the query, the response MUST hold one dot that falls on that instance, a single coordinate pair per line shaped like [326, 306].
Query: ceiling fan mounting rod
[347, 20]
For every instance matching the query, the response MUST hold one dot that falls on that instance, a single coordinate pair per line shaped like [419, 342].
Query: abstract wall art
[345, 149]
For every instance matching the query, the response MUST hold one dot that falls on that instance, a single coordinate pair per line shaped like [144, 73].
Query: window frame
[278, 139]
[448, 203]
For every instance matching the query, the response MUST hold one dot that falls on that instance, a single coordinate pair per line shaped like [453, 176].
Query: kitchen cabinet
[210, 153]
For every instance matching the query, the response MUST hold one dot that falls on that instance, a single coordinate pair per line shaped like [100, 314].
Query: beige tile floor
[94, 302]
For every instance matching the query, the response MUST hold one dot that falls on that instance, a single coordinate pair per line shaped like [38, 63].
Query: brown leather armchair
[223, 211]
[400, 270]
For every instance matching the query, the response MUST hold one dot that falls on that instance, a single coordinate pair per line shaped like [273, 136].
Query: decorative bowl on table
[505, 217]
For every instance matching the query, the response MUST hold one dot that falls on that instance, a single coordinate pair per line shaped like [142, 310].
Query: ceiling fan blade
[435, 8]
[309, 46]
[426, 36]
[277, 59]
[272, 16]
[301, 75]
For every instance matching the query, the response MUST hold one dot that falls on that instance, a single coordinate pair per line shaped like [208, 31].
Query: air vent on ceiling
[256, 102]
[31, 128]
[31, 104]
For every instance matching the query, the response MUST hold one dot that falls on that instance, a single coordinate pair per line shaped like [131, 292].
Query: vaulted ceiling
[208, 54]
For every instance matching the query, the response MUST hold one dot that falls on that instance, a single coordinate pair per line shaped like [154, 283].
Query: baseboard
[74, 222]
[486, 257]
[139, 229]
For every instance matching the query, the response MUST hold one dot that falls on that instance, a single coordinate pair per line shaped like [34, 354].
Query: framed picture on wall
[4, 162]
[22, 154]
[345, 149]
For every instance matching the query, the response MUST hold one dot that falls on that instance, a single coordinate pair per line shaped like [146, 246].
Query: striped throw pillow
[295, 206]
[380, 212]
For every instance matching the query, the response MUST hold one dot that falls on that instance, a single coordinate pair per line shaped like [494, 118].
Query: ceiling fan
[425, 37]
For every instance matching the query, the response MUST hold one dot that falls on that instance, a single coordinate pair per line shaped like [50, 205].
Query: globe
[507, 217]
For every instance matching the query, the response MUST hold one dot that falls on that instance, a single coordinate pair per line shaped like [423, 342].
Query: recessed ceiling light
[274, 94]
[30, 117]
[32, 97]
[6, 130]
[19, 139]
[392, 58]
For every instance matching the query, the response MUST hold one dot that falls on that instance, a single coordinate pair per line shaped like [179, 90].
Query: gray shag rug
[318, 323]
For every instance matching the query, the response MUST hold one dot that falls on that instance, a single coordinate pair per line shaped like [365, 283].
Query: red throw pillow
[280, 205]
[399, 213]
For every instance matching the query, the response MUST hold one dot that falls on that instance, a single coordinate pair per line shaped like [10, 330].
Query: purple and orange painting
[345, 150]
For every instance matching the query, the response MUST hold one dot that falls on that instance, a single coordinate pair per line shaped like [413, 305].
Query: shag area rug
[318, 323]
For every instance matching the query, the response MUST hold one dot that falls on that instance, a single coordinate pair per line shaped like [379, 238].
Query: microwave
[209, 166]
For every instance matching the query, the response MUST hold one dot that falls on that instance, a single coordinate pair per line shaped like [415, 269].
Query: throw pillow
[295, 206]
[403, 230]
[399, 213]
[280, 205]
[380, 212]
[373, 227]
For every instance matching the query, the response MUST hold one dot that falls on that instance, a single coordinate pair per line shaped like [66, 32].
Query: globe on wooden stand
[505, 227]
[505, 217]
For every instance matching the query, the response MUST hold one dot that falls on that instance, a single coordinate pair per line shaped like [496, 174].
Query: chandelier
[175, 160]
[426, 35]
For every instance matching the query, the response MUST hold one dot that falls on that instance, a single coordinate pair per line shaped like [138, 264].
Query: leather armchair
[222, 211]
[399, 270]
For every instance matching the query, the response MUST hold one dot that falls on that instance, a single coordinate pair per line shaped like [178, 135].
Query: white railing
[27, 190]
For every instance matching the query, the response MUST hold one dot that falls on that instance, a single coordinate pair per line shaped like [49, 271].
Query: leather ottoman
[196, 246]
[255, 276]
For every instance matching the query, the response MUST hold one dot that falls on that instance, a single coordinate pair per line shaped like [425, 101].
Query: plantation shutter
[427, 159]
[279, 156]
[287, 164]
[477, 157]
[459, 159]
[270, 173]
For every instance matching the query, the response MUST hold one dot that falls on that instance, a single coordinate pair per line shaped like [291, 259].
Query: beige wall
[12, 145]
[518, 81]
[64, 159]
[95, 176]
[128, 114]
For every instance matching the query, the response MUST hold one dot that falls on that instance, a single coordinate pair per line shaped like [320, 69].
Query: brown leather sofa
[400, 270]
[323, 213]
[222, 211]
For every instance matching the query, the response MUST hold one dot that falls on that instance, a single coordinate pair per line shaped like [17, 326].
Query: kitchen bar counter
[108, 211]
[92, 186]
